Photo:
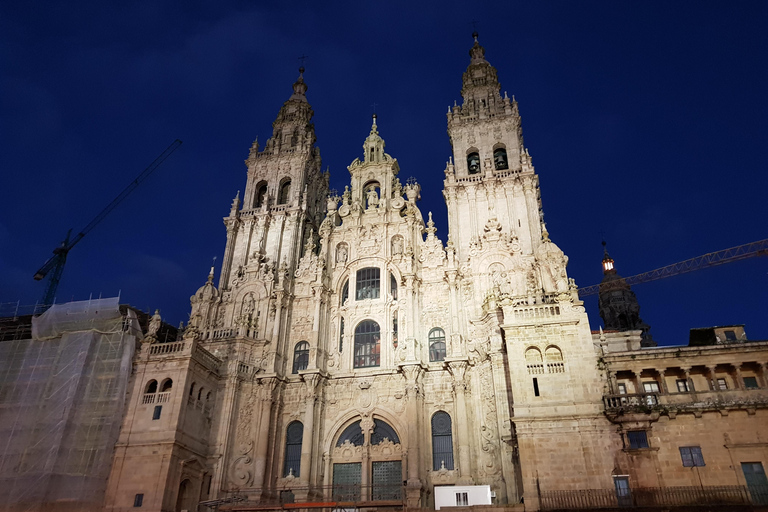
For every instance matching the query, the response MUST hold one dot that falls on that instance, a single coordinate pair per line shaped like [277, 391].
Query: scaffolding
[62, 400]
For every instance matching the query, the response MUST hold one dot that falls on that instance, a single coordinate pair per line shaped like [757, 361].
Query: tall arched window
[500, 159]
[300, 356]
[442, 441]
[261, 195]
[166, 386]
[285, 193]
[353, 434]
[393, 286]
[293, 436]
[345, 292]
[367, 346]
[368, 283]
[437, 344]
[341, 335]
[151, 387]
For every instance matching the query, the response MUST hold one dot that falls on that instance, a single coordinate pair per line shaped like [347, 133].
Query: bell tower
[283, 201]
[490, 177]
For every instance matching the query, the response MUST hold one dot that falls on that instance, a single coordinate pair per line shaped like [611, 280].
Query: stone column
[366, 425]
[688, 383]
[638, 383]
[453, 350]
[307, 441]
[614, 386]
[663, 381]
[327, 476]
[266, 397]
[504, 425]
[225, 429]
[763, 375]
[458, 370]
[278, 316]
[410, 326]
[412, 374]
[739, 379]
[532, 211]
[713, 385]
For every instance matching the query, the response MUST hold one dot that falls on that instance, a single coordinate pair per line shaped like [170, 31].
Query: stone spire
[480, 83]
[373, 147]
[619, 308]
[293, 128]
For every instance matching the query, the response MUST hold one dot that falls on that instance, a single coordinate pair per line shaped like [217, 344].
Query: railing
[164, 397]
[173, 347]
[640, 400]
[536, 369]
[470, 178]
[543, 311]
[587, 499]
[206, 358]
[156, 398]
[556, 367]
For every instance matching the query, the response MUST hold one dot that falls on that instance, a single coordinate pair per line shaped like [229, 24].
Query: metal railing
[635, 400]
[587, 499]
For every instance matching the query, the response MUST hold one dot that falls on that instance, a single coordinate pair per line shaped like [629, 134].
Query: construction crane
[740, 252]
[54, 267]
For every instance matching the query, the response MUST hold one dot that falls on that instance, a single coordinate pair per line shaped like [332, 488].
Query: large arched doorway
[184, 501]
[367, 462]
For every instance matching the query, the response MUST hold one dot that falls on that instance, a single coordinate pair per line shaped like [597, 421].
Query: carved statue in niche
[341, 254]
[372, 197]
[397, 246]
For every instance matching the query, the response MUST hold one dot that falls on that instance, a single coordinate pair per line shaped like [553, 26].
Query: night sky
[647, 123]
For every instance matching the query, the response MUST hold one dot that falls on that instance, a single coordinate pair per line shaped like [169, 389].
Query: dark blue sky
[647, 121]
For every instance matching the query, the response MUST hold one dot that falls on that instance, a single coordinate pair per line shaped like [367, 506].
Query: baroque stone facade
[348, 353]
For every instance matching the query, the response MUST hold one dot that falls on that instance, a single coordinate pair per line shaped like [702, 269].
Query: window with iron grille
[637, 439]
[442, 441]
[368, 284]
[300, 356]
[293, 436]
[437, 344]
[367, 347]
[691, 456]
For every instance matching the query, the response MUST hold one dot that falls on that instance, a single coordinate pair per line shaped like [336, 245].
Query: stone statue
[154, 325]
[397, 246]
[373, 197]
[341, 254]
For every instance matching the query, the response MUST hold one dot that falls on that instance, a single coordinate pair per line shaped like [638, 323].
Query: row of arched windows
[152, 387]
[201, 393]
[367, 351]
[283, 196]
[442, 441]
[499, 159]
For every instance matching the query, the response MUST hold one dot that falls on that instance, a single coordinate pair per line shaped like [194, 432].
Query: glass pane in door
[387, 480]
[346, 481]
[757, 483]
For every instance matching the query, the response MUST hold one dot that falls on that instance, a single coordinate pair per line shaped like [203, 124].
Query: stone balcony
[181, 349]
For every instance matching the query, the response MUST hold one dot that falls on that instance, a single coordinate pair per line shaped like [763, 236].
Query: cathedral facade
[349, 354]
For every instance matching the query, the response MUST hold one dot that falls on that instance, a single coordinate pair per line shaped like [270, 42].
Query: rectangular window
[462, 499]
[691, 456]
[750, 382]
[730, 335]
[535, 386]
[651, 387]
[682, 385]
[367, 285]
[722, 384]
[623, 493]
[156, 413]
[637, 439]
[622, 388]
[138, 500]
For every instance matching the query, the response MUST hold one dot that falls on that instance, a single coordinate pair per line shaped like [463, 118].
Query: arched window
[553, 354]
[368, 283]
[367, 347]
[261, 195]
[500, 159]
[473, 163]
[353, 434]
[382, 430]
[300, 356]
[167, 385]
[393, 286]
[208, 397]
[285, 193]
[293, 436]
[345, 292]
[341, 335]
[437, 344]
[394, 328]
[192, 390]
[200, 393]
[151, 387]
[532, 355]
[442, 441]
